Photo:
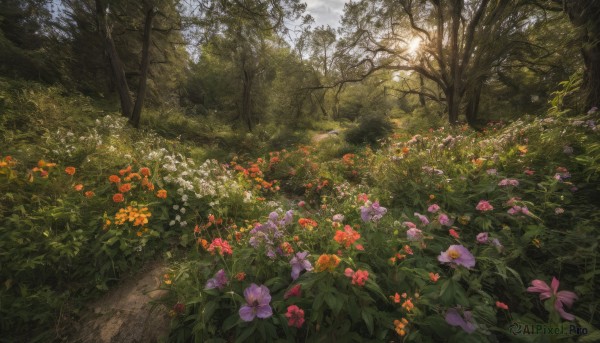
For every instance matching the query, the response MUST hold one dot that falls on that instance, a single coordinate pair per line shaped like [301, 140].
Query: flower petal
[264, 311]
[554, 285]
[247, 313]
[566, 297]
[558, 305]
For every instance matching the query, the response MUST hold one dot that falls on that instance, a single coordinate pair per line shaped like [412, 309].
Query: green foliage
[370, 130]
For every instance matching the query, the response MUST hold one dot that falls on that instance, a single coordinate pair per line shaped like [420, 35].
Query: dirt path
[125, 314]
[321, 136]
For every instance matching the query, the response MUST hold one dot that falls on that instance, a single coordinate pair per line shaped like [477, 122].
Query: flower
[327, 263]
[338, 218]
[124, 188]
[559, 210]
[145, 171]
[257, 303]
[307, 223]
[360, 277]
[295, 291]
[240, 276]
[78, 187]
[301, 203]
[409, 225]
[222, 246]
[422, 218]
[453, 233]
[295, 316]
[161, 194]
[482, 238]
[444, 220]
[89, 194]
[484, 205]
[433, 208]
[70, 170]
[300, 263]
[562, 298]
[434, 277]
[114, 179]
[455, 319]
[501, 305]
[399, 326]
[218, 281]
[346, 237]
[414, 234]
[118, 197]
[508, 182]
[457, 255]
[372, 212]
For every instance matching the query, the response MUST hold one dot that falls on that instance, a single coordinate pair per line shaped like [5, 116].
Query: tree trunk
[583, 14]
[453, 106]
[139, 101]
[118, 72]
[247, 99]
[473, 107]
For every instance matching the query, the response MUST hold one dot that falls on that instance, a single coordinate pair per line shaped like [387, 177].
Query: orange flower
[89, 194]
[434, 277]
[346, 237]
[125, 171]
[78, 187]
[400, 325]
[240, 276]
[327, 263]
[118, 197]
[70, 170]
[307, 223]
[124, 188]
[145, 171]
[408, 305]
[161, 194]
[114, 179]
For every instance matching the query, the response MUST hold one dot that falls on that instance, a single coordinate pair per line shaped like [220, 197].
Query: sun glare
[414, 45]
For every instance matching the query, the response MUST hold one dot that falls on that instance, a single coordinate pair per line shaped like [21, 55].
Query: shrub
[370, 129]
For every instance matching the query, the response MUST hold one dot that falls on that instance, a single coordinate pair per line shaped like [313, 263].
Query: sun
[413, 45]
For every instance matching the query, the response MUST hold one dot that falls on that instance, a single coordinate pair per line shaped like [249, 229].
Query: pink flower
[444, 220]
[433, 208]
[414, 234]
[482, 238]
[301, 203]
[348, 272]
[501, 305]
[221, 246]
[562, 298]
[295, 316]
[360, 277]
[453, 233]
[484, 205]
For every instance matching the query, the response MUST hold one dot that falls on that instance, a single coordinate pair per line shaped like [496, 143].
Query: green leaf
[368, 319]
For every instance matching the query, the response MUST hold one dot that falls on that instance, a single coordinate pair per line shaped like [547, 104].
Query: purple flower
[218, 281]
[562, 298]
[300, 263]
[374, 212]
[457, 255]
[422, 218]
[414, 234]
[467, 323]
[482, 238]
[257, 303]
[497, 244]
[444, 220]
[433, 208]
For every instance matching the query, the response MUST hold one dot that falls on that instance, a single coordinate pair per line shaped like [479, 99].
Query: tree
[454, 45]
[585, 16]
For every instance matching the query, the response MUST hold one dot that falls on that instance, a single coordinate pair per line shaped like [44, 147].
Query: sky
[325, 12]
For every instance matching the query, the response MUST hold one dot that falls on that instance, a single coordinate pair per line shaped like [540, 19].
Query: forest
[258, 171]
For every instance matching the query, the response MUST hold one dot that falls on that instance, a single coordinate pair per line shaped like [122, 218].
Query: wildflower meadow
[449, 235]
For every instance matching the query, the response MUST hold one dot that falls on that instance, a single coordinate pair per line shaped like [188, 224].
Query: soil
[126, 313]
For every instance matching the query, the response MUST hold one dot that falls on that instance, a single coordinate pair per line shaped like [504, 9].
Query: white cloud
[326, 12]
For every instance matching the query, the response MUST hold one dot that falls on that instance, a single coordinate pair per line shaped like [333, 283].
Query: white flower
[175, 207]
[182, 210]
[171, 223]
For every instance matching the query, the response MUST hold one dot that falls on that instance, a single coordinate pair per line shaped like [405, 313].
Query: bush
[370, 129]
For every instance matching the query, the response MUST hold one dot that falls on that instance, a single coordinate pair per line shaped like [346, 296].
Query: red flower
[295, 291]
[346, 237]
[221, 246]
[501, 305]
[453, 233]
[118, 197]
[124, 188]
[295, 316]
[114, 179]
[70, 170]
